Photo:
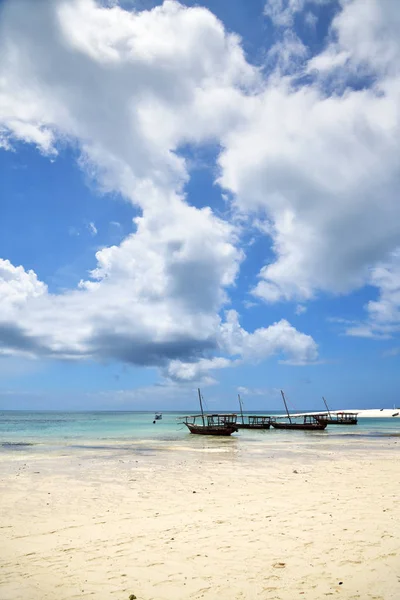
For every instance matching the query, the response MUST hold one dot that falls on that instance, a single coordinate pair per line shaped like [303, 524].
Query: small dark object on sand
[132, 597]
[340, 582]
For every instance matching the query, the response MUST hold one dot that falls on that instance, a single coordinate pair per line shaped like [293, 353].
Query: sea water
[22, 430]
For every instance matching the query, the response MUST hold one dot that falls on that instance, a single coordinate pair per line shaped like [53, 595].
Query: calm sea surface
[80, 431]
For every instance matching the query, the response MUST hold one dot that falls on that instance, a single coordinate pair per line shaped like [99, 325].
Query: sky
[199, 195]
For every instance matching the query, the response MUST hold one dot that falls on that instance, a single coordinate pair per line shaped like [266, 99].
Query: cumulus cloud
[316, 162]
[153, 298]
[278, 338]
[136, 309]
[383, 314]
[18, 286]
[128, 89]
[322, 168]
[365, 36]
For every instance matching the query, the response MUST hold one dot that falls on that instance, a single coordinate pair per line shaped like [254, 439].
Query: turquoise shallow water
[22, 430]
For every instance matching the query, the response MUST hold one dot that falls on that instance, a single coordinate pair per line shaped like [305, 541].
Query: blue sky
[199, 195]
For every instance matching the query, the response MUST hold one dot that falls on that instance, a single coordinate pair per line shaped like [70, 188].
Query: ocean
[135, 432]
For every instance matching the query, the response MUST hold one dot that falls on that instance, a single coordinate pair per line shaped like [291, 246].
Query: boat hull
[211, 430]
[338, 422]
[249, 426]
[300, 426]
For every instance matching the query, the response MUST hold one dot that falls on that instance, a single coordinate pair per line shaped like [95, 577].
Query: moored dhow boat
[310, 423]
[253, 421]
[211, 424]
[338, 418]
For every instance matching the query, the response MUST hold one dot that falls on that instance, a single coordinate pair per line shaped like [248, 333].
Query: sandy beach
[203, 522]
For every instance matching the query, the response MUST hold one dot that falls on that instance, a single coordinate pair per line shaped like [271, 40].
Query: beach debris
[295, 471]
[132, 597]
[194, 492]
[340, 582]
[279, 565]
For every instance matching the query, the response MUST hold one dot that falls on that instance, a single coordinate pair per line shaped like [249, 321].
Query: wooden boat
[253, 421]
[211, 424]
[310, 423]
[339, 418]
[157, 416]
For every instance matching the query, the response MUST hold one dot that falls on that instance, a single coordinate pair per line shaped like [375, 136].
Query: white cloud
[280, 12]
[300, 309]
[246, 391]
[243, 347]
[278, 338]
[383, 314]
[283, 12]
[324, 169]
[311, 20]
[288, 54]
[366, 36]
[181, 371]
[152, 301]
[92, 228]
[129, 90]
[154, 298]
[18, 286]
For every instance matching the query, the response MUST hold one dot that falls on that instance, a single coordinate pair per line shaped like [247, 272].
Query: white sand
[378, 413]
[368, 413]
[255, 528]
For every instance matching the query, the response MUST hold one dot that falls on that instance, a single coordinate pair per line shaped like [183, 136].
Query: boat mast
[329, 414]
[201, 406]
[284, 402]
[241, 408]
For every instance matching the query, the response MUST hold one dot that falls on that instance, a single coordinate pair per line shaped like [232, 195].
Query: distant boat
[339, 418]
[310, 423]
[253, 421]
[215, 424]
[158, 416]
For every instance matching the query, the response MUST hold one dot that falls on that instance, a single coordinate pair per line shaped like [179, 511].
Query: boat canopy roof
[259, 419]
[213, 419]
[212, 415]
